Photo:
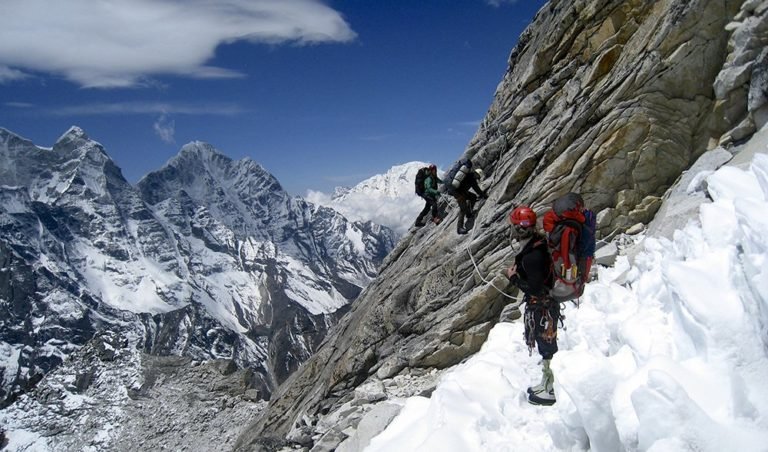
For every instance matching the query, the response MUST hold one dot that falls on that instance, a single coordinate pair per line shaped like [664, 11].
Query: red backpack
[571, 240]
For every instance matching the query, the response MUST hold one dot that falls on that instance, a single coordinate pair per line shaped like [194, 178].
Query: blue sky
[320, 93]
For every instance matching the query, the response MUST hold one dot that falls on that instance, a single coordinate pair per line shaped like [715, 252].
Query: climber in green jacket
[430, 194]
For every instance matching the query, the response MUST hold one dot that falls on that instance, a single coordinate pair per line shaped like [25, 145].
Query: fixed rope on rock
[472, 236]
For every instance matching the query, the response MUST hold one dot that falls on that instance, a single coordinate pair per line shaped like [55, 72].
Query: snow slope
[667, 353]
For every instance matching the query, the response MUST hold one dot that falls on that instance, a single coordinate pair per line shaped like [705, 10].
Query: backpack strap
[566, 242]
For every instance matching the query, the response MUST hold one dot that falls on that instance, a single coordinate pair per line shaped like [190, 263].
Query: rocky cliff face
[617, 97]
[208, 258]
[613, 99]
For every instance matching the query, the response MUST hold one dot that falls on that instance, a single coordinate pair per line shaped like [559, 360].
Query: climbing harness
[547, 325]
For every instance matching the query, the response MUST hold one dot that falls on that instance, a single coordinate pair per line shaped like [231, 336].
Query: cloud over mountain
[387, 199]
[142, 38]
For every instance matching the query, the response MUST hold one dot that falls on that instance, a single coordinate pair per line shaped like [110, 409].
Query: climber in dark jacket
[431, 195]
[532, 273]
[466, 199]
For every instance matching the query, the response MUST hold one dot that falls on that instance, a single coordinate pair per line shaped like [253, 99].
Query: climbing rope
[477, 219]
[608, 237]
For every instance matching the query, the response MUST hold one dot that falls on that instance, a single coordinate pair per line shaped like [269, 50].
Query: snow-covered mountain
[397, 182]
[207, 257]
[387, 199]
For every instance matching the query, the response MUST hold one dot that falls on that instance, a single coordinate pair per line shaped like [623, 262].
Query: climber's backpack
[457, 174]
[571, 239]
[421, 176]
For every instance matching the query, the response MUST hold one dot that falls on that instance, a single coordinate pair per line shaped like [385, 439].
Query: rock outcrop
[110, 396]
[613, 99]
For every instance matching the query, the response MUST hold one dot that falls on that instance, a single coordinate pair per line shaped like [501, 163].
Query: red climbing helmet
[432, 168]
[523, 216]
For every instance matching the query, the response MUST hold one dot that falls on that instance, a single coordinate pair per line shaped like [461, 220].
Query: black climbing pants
[541, 318]
[431, 204]
[466, 201]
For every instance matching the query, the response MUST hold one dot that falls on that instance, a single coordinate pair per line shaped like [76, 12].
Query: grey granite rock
[614, 99]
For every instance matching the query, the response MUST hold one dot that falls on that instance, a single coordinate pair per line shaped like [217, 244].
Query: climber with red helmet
[532, 274]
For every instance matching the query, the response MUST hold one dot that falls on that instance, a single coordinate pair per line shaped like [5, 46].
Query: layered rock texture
[613, 99]
[207, 258]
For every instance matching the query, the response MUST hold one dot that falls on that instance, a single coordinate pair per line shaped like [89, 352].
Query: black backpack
[421, 176]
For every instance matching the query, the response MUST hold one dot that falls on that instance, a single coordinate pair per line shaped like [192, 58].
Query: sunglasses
[519, 228]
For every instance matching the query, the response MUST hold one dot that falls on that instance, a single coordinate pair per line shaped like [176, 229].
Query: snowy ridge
[204, 239]
[667, 353]
[397, 182]
[387, 199]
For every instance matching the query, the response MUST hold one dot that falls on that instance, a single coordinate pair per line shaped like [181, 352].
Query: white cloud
[497, 3]
[9, 75]
[397, 214]
[165, 128]
[19, 104]
[318, 197]
[387, 199]
[139, 108]
[113, 43]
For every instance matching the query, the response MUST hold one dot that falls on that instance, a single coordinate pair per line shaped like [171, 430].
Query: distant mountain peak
[71, 139]
[203, 172]
[200, 148]
[74, 132]
[397, 182]
[206, 153]
[7, 137]
[340, 192]
[200, 152]
[75, 139]
[387, 199]
[7, 133]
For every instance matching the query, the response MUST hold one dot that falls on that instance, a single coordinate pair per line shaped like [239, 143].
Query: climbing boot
[461, 231]
[546, 396]
[545, 372]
